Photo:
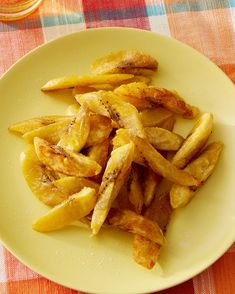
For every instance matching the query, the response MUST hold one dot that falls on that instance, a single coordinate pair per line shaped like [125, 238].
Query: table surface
[208, 26]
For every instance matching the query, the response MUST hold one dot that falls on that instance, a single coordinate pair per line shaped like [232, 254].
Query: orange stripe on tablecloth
[232, 249]
[15, 44]
[62, 7]
[38, 286]
[224, 274]
[3, 288]
[210, 32]
[15, 270]
[229, 69]
[184, 288]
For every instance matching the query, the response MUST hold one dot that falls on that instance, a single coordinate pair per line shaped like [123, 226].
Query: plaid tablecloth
[207, 25]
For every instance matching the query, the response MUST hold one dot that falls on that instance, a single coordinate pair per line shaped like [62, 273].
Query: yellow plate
[198, 234]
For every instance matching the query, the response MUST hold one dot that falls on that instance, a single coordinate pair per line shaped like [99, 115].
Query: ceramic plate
[197, 235]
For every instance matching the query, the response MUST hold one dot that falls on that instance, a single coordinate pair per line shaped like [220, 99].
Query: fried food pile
[103, 164]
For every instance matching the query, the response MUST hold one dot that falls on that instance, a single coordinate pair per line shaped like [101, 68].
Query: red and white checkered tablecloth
[206, 25]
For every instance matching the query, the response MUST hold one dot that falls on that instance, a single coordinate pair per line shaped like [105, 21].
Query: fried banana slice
[116, 170]
[94, 102]
[77, 132]
[70, 185]
[155, 116]
[138, 103]
[128, 61]
[161, 165]
[65, 161]
[34, 123]
[145, 251]
[73, 81]
[173, 102]
[100, 129]
[200, 168]
[50, 133]
[127, 92]
[74, 208]
[129, 221]
[160, 210]
[44, 183]
[151, 181]
[72, 109]
[135, 192]
[99, 153]
[194, 142]
[122, 200]
[168, 124]
[38, 180]
[121, 138]
[109, 104]
[160, 96]
[163, 139]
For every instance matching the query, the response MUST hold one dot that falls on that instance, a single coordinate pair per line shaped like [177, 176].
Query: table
[208, 26]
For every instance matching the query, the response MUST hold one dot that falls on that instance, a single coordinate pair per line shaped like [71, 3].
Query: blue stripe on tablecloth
[158, 9]
[22, 24]
[115, 14]
[232, 3]
[199, 5]
[73, 18]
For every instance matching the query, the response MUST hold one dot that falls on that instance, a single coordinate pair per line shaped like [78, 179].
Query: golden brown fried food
[43, 182]
[155, 116]
[201, 168]
[151, 181]
[135, 191]
[132, 222]
[159, 96]
[51, 132]
[34, 123]
[194, 142]
[75, 207]
[73, 81]
[162, 166]
[100, 129]
[77, 132]
[128, 61]
[65, 161]
[163, 139]
[99, 153]
[114, 176]
[121, 138]
[173, 102]
[109, 104]
[145, 251]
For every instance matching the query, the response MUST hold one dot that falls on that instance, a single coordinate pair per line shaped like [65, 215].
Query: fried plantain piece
[116, 170]
[74, 208]
[125, 61]
[194, 142]
[200, 168]
[65, 161]
[132, 222]
[162, 166]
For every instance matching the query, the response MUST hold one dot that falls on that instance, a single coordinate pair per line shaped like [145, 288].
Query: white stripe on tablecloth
[3, 277]
[54, 32]
[232, 12]
[204, 282]
[159, 24]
